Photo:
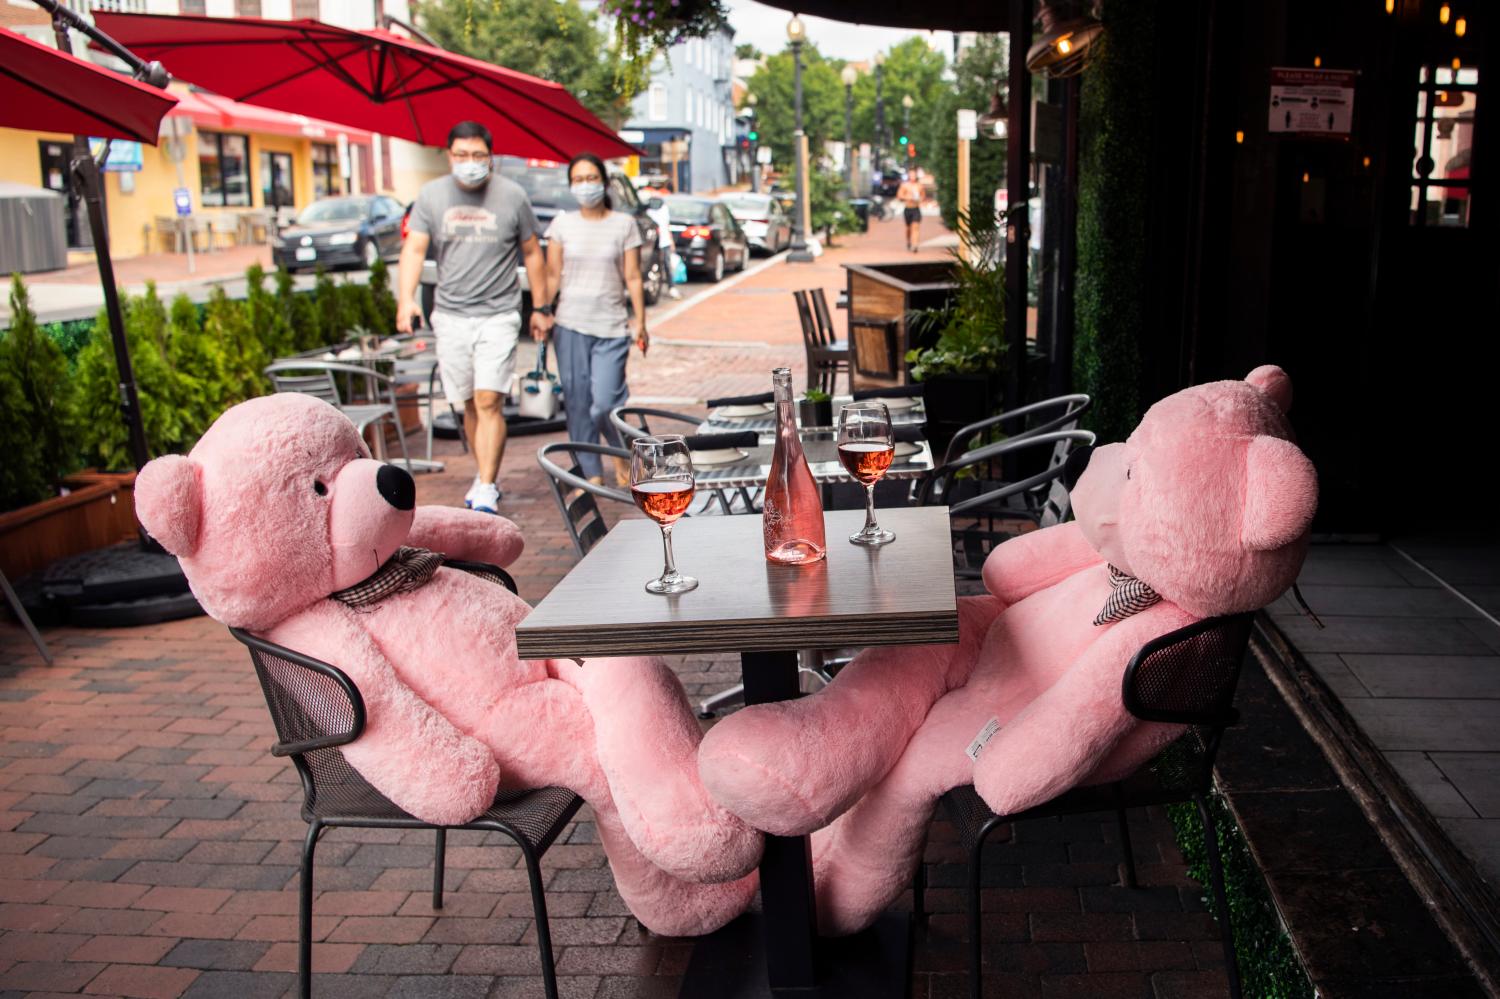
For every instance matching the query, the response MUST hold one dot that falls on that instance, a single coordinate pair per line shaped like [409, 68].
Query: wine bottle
[792, 510]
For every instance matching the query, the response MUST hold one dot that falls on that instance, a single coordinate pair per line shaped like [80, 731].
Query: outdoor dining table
[717, 422]
[900, 594]
[913, 461]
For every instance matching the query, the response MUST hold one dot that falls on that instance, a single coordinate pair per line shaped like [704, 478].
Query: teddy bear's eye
[319, 488]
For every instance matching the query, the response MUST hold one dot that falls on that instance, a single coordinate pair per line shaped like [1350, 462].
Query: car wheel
[369, 253]
[718, 271]
[655, 282]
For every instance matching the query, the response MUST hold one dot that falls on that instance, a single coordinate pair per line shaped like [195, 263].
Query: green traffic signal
[754, 136]
[903, 140]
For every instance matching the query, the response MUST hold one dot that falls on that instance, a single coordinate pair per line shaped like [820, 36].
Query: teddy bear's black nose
[397, 487]
[1077, 462]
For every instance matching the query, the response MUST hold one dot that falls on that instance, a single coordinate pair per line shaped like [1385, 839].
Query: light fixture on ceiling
[1461, 27]
[994, 123]
[1443, 14]
[1070, 32]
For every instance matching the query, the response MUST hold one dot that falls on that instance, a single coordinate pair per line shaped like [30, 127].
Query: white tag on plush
[985, 734]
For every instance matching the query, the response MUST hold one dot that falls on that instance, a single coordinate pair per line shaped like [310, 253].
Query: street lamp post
[906, 104]
[750, 101]
[796, 34]
[879, 167]
[849, 76]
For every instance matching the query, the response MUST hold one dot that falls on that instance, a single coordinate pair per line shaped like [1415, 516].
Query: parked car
[708, 239]
[546, 184]
[345, 231]
[767, 225]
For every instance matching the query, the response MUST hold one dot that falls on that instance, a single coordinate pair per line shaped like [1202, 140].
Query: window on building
[224, 169]
[325, 168]
[247, 8]
[1443, 146]
[305, 9]
[192, 7]
[656, 102]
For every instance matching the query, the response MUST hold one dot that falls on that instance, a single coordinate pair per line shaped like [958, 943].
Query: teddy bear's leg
[791, 767]
[866, 859]
[647, 741]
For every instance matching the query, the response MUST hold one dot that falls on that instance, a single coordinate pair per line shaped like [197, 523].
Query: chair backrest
[318, 384]
[809, 325]
[1189, 677]
[937, 487]
[576, 495]
[1058, 413]
[319, 379]
[635, 421]
[826, 335]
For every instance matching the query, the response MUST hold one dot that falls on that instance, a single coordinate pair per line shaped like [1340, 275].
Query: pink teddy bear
[279, 508]
[1204, 511]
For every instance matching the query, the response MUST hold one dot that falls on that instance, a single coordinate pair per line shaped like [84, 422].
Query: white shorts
[475, 353]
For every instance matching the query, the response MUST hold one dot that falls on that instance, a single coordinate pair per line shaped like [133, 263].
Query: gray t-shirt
[477, 236]
[593, 298]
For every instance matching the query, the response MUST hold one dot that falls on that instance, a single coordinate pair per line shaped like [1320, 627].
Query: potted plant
[961, 366]
[815, 409]
[645, 27]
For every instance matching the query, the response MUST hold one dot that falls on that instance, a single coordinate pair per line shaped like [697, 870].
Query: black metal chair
[317, 708]
[576, 496]
[978, 508]
[826, 357]
[1187, 677]
[632, 422]
[1058, 413]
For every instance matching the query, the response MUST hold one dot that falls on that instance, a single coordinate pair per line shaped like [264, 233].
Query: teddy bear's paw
[675, 908]
[707, 852]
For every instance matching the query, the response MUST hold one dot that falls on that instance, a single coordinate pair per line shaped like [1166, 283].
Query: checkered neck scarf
[406, 570]
[1127, 596]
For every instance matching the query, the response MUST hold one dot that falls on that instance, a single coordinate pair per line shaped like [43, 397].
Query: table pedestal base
[731, 964]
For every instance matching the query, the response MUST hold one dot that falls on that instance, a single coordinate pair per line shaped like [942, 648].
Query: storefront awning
[224, 115]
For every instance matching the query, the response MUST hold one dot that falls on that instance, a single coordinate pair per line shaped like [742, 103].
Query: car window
[688, 212]
[392, 206]
[335, 210]
[748, 208]
[623, 194]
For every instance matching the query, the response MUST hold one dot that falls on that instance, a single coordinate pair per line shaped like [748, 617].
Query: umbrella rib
[463, 85]
[81, 109]
[322, 60]
[335, 66]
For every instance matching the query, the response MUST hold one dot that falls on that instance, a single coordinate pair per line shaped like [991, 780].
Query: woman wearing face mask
[594, 271]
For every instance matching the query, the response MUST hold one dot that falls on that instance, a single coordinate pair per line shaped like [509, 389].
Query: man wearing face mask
[480, 225]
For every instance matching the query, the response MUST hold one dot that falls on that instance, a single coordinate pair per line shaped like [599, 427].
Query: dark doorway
[276, 187]
[55, 157]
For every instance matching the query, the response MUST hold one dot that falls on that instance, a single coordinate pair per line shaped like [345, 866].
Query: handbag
[679, 270]
[540, 391]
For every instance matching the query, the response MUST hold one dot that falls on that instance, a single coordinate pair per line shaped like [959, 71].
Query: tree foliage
[911, 68]
[102, 431]
[975, 75]
[558, 41]
[774, 87]
[36, 397]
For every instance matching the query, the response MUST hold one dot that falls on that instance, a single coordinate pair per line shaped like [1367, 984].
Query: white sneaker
[486, 498]
[469, 496]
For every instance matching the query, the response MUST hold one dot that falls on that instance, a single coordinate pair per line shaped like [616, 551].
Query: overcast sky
[765, 28]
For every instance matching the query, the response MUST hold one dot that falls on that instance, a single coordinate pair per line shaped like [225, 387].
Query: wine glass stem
[870, 526]
[670, 568]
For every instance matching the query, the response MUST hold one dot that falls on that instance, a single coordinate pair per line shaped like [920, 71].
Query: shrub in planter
[338, 311]
[198, 361]
[245, 357]
[36, 398]
[101, 428]
[815, 409]
[266, 316]
[382, 318]
[299, 312]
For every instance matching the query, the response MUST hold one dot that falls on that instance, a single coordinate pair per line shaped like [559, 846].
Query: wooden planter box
[879, 298]
[98, 511]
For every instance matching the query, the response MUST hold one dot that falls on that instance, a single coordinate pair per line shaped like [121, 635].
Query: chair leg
[1125, 847]
[1221, 899]
[458, 420]
[724, 698]
[976, 945]
[543, 931]
[304, 911]
[439, 860]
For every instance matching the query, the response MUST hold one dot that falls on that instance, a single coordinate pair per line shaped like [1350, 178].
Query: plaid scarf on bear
[406, 570]
[1127, 596]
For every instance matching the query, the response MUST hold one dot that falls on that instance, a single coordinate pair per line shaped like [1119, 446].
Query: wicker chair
[317, 708]
[1187, 677]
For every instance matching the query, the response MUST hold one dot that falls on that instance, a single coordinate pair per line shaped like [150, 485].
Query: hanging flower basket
[645, 27]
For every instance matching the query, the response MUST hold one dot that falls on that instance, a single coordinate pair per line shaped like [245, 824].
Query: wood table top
[899, 594]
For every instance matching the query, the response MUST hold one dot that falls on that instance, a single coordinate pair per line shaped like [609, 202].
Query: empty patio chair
[826, 357]
[1187, 677]
[635, 421]
[377, 392]
[316, 708]
[577, 497]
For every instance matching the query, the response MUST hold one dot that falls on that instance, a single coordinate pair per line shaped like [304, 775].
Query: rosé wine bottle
[792, 518]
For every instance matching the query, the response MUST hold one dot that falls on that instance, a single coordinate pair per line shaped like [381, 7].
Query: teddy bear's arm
[1067, 732]
[1034, 561]
[408, 751]
[465, 534]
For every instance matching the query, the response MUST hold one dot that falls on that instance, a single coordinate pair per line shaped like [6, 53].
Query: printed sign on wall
[1312, 101]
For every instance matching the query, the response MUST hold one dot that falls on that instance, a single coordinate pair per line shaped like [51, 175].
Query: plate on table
[718, 456]
[744, 412]
[905, 449]
[897, 405]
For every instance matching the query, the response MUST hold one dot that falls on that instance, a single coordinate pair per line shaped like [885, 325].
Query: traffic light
[911, 152]
[902, 140]
[754, 136]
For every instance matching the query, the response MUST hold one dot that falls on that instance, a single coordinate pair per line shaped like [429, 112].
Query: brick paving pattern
[149, 842]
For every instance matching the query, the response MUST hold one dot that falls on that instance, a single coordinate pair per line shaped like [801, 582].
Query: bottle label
[985, 734]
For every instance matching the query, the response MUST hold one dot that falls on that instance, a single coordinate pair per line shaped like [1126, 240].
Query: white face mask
[471, 173]
[588, 193]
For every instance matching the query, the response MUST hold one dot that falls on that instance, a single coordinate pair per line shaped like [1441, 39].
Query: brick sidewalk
[150, 841]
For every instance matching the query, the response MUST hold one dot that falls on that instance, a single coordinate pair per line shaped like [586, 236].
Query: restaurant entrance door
[55, 158]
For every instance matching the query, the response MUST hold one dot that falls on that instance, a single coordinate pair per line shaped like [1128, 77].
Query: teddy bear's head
[1209, 502]
[277, 506]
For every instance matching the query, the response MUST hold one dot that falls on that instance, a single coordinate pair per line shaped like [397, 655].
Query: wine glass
[661, 482]
[866, 447]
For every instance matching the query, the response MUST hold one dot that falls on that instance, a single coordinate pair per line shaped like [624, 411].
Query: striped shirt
[593, 298]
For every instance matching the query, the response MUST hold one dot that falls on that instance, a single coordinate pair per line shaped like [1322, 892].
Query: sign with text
[968, 124]
[124, 155]
[182, 200]
[1312, 101]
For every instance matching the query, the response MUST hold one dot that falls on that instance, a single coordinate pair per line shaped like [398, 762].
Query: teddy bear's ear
[1281, 494]
[169, 502]
[1275, 383]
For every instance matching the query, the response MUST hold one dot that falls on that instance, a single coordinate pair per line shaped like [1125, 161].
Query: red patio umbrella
[369, 79]
[49, 90]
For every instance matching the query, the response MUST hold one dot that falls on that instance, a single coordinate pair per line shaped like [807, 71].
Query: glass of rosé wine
[866, 446]
[661, 482]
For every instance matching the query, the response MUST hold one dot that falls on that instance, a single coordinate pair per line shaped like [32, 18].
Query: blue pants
[592, 370]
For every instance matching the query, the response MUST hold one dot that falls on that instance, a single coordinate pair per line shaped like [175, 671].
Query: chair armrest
[484, 570]
[261, 647]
